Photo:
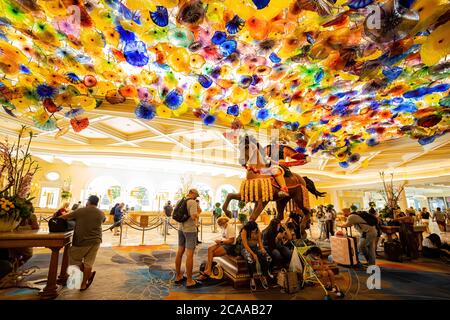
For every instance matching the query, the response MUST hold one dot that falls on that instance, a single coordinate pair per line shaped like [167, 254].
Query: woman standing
[252, 249]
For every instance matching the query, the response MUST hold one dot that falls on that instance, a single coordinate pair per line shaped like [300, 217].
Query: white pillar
[335, 200]
[402, 201]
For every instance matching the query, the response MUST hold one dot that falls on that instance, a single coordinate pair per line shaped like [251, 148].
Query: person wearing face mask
[223, 246]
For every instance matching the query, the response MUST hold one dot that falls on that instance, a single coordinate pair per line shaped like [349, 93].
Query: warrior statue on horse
[270, 180]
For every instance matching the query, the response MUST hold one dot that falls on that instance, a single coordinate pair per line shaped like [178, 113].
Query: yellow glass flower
[437, 46]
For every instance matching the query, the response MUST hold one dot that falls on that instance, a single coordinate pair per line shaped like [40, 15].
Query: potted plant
[17, 169]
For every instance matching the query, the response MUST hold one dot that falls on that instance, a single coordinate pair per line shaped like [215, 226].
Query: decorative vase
[8, 223]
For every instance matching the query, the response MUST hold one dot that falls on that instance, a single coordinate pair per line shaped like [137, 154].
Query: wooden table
[390, 230]
[54, 241]
[418, 230]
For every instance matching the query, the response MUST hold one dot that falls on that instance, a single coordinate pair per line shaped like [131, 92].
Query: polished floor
[135, 272]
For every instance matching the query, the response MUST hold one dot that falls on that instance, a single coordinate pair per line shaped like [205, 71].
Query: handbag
[288, 281]
[60, 225]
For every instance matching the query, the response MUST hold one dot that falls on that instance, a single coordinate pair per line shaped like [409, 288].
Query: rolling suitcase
[344, 250]
[393, 250]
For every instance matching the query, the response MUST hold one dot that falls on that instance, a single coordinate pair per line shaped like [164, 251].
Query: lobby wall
[81, 176]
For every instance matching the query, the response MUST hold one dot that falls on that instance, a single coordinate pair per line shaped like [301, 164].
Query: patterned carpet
[147, 272]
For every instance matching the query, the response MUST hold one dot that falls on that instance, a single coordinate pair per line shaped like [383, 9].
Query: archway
[108, 189]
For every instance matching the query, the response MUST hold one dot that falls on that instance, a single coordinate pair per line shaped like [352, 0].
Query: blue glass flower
[336, 128]
[393, 73]
[274, 58]
[228, 47]
[46, 91]
[262, 114]
[219, 37]
[294, 125]
[261, 102]
[372, 142]
[344, 164]
[235, 25]
[160, 17]
[319, 76]
[125, 35]
[426, 140]
[439, 88]
[173, 100]
[260, 4]
[145, 110]
[358, 4]
[416, 93]
[209, 119]
[405, 107]
[135, 53]
[24, 69]
[72, 77]
[245, 81]
[75, 112]
[233, 110]
[324, 121]
[205, 81]
[310, 38]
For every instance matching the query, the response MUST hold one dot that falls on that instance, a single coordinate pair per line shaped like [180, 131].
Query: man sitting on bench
[222, 247]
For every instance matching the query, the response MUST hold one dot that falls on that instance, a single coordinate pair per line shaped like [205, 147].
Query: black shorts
[230, 249]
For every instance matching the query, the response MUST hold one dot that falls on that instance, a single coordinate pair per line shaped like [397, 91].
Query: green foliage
[387, 213]
[242, 217]
[66, 194]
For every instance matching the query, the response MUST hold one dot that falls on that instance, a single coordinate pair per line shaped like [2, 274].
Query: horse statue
[261, 187]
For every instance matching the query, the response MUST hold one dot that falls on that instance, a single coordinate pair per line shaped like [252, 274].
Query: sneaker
[264, 282]
[252, 284]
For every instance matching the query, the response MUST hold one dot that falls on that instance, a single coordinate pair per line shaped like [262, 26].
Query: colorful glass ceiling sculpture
[346, 74]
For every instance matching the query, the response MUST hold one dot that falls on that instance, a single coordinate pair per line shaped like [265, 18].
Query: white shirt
[229, 232]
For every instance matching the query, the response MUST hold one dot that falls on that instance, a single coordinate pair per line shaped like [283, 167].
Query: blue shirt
[118, 213]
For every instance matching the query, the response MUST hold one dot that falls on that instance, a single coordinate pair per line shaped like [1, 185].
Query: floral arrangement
[65, 193]
[391, 194]
[16, 172]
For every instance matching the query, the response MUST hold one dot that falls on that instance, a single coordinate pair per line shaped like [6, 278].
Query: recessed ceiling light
[52, 176]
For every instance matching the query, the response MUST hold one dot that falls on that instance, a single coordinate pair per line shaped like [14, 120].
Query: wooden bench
[235, 269]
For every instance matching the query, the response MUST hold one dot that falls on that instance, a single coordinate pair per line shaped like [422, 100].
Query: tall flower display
[17, 169]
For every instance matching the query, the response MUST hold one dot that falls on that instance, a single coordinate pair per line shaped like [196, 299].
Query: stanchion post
[143, 232]
[165, 227]
[201, 229]
[120, 239]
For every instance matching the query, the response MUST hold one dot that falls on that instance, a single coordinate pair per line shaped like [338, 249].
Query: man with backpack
[186, 214]
[365, 224]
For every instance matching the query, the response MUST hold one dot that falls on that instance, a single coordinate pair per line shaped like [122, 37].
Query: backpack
[180, 213]
[370, 219]
[112, 211]
[60, 225]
